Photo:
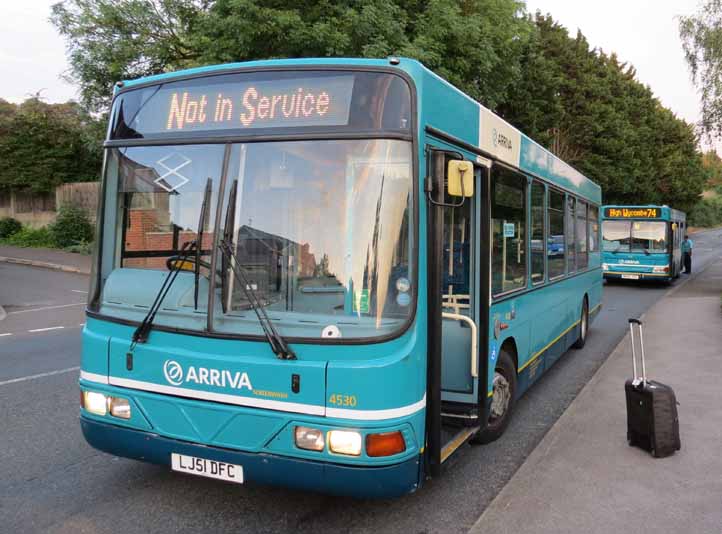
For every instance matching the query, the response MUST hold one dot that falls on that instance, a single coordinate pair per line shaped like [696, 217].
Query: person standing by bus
[687, 245]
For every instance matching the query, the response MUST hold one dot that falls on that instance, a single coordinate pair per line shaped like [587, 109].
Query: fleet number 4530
[342, 400]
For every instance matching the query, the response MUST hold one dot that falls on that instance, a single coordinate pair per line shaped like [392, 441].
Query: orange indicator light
[385, 444]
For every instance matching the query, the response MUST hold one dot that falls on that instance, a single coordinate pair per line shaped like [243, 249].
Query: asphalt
[51, 481]
[583, 476]
[35, 298]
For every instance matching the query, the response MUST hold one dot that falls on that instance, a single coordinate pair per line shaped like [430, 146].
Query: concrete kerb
[44, 265]
[555, 429]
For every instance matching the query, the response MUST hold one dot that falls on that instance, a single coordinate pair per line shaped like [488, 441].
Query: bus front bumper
[263, 468]
[621, 275]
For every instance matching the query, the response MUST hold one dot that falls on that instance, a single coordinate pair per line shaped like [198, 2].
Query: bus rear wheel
[583, 326]
[502, 400]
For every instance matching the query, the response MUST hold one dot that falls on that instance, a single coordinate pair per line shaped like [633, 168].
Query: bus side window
[537, 232]
[581, 234]
[508, 224]
[571, 236]
[593, 229]
[555, 241]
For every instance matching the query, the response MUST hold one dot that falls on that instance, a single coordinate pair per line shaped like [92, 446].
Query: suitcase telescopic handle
[637, 322]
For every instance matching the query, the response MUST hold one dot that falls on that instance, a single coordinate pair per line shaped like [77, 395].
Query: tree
[43, 145]
[712, 164]
[111, 40]
[589, 109]
[583, 104]
[473, 43]
[701, 35]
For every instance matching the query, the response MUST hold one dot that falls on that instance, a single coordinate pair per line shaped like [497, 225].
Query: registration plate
[630, 276]
[207, 468]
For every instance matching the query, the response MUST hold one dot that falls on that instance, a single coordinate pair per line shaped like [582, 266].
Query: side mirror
[460, 178]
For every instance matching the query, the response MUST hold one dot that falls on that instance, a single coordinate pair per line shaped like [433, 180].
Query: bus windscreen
[264, 102]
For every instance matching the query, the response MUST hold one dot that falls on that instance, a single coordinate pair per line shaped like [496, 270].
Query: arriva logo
[210, 377]
[173, 372]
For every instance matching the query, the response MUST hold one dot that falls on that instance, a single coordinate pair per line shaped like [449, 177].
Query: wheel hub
[501, 395]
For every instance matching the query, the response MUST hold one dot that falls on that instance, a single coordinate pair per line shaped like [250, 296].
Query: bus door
[675, 250]
[459, 271]
[458, 301]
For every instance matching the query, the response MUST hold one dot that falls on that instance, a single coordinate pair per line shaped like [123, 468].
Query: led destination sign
[264, 102]
[281, 103]
[632, 213]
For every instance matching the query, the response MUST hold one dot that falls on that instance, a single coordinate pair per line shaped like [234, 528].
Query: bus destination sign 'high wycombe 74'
[632, 213]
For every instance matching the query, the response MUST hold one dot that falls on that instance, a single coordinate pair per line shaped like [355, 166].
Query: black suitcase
[652, 421]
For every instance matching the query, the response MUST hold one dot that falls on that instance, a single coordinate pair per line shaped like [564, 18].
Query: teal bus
[327, 274]
[642, 242]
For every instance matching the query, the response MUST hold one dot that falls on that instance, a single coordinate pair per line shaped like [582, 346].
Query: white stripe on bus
[376, 415]
[218, 397]
[635, 265]
[310, 409]
[93, 377]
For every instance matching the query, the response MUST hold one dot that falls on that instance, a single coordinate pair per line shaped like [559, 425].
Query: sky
[641, 32]
[32, 53]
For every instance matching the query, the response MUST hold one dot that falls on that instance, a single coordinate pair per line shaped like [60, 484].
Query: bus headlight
[94, 402]
[119, 407]
[660, 269]
[344, 442]
[310, 439]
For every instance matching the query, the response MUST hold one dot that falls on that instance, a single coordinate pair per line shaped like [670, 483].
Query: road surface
[51, 481]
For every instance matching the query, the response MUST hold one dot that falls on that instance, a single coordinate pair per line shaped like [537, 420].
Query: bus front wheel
[502, 400]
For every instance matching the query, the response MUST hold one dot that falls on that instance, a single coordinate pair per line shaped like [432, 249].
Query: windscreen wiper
[275, 340]
[189, 247]
[141, 333]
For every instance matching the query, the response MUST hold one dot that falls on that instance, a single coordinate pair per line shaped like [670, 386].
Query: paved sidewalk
[583, 477]
[47, 258]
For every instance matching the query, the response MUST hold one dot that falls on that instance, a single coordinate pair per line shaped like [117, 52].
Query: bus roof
[441, 106]
[665, 212]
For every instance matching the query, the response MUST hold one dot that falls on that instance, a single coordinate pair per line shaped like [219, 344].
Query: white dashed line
[8, 334]
[81, 324]
[48, 308]
[78, 291]
[46, 329]
[40, 375]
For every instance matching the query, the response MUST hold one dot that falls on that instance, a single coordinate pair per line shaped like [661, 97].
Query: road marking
[46, 329]
[40, 375]
[78, 291]
[48, 308]
[8, 334]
